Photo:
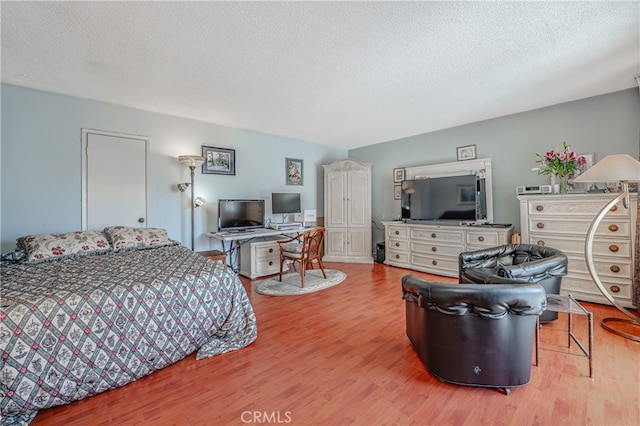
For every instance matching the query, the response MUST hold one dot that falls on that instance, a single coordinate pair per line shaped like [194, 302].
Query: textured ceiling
[344, 74]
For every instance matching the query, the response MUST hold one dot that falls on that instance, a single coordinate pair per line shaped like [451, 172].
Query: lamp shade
[615, 167]
[191, 160]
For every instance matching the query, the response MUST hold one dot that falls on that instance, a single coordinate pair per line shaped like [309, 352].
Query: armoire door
[114, 179]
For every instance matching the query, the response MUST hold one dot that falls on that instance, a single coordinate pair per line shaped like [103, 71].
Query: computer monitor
[285, 203]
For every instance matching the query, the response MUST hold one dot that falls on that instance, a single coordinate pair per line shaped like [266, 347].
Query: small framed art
[397, 192]
[218, 161]
[398, 175]
[590, 159]
[467, 152]
[294, 171]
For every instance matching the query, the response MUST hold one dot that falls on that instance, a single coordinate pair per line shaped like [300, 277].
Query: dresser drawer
[453, 237]
[483, 238]
[271, 251]
[398, 257]
[395, 244]
[433, 263]
[267, 266]
[611, 248]
[605, 267]
[610, 228]
[435, 248]
[397, 231]
[574, 284]
[575, 208]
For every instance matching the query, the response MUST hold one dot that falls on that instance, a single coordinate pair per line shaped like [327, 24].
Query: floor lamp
[191, 161]
[621, 168]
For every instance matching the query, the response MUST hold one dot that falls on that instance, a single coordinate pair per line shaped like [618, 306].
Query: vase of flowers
[561, 165]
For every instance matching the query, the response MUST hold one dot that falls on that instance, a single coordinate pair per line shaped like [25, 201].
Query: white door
[114, 179]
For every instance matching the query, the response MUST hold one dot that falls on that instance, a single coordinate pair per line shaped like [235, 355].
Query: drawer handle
[434, 262]
[433, 235]
[614, 248]
[614, 289]
[539, 207]
[480, 238]
[271, 263]
[397, 256]
[614, 208]
[540, 225]
[271, 250]
[613, 227]
[397, 232]
[614, 268]
[540, 243]
[397, 244]
[434, 248]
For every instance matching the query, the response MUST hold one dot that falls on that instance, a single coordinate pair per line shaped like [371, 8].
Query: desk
[236, 239]
[570, 306]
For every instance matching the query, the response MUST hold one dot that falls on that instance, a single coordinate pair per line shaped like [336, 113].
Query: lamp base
[606, 321]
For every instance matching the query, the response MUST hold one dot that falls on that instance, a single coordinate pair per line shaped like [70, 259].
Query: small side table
[214, 255]
[570, 306]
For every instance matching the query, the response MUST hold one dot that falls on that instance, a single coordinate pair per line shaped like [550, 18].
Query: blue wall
[605, 124]
[41, 165]
[40, 158]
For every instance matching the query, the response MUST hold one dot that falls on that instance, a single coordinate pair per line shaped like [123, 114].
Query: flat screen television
[447, 198]
[285, 203]
[240, 215]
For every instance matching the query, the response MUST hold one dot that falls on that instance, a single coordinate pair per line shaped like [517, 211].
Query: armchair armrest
[491, 301]
[536, 270]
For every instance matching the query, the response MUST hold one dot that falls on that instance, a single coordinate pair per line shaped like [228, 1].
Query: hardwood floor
[341, 356]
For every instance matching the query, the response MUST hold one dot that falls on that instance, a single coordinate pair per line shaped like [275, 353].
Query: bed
[85, 312]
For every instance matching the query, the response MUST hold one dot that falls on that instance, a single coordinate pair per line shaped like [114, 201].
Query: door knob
[141, 220]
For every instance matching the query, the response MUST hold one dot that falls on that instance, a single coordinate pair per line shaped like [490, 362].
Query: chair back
[312, 242]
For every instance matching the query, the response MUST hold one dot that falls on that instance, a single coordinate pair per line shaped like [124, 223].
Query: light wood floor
[341, 356]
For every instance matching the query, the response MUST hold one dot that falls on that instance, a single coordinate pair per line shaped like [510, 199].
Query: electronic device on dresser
[240, 215]
[448, 198]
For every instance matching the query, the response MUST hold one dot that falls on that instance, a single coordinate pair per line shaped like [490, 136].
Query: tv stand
[434, 248]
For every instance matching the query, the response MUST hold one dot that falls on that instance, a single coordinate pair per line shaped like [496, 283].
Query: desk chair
[304, 248]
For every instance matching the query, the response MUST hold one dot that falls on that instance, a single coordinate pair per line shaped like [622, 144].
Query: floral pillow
[124, 237]
[39, 248]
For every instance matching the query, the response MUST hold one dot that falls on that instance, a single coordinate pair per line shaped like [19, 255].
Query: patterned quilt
[73, 328]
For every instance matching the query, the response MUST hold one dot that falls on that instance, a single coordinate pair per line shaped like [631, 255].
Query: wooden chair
[304, 248]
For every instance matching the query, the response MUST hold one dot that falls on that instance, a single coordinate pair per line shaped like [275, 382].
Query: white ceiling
[344, 74]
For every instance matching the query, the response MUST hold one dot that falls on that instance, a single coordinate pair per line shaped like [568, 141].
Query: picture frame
[294, 171]
[397, 192]
[218, 161]
[467, 152]
[590, 158]
[398, 175]
[466, 195]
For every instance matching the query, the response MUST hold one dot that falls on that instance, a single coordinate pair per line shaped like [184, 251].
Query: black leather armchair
[515, 263]
[476, 335]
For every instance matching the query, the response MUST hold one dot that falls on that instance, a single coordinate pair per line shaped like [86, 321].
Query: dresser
[435, 248]
[260, 258]
[347, 212]
[562, 222]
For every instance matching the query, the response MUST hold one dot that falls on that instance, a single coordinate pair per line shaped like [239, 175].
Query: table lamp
[621, 168]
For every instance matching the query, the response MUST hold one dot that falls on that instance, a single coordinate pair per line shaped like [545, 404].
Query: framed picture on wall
[294, 171]
[397, 192]
[467, 152]
[218, 161]
[590, 159]
[398, 175]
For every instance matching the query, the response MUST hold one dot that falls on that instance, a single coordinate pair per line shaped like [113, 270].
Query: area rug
[290, 285]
